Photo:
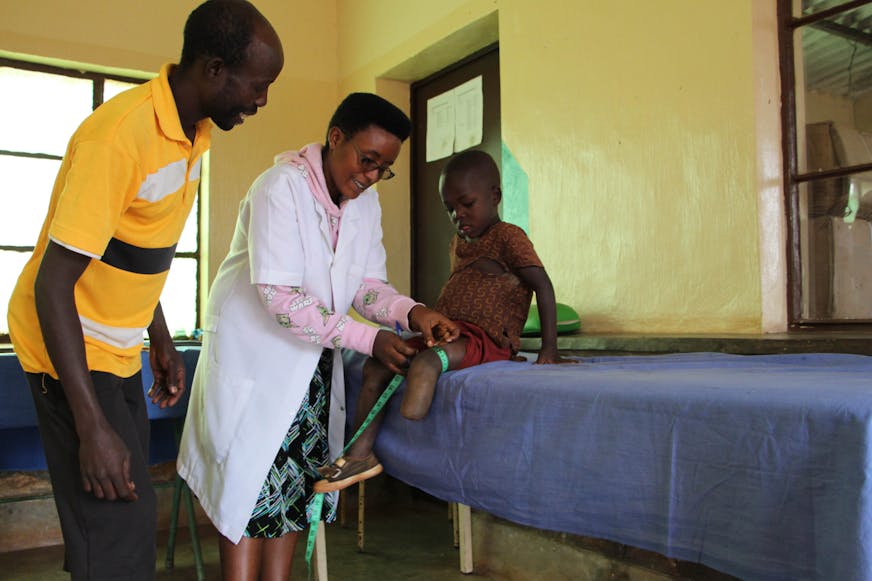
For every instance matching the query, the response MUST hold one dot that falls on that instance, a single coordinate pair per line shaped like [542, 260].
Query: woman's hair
[220, 28]
[360, 110]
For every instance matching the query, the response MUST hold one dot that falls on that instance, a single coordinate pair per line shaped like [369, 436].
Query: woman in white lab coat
[307, 246]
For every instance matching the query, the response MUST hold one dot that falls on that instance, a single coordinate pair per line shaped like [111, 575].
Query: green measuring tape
[318, 498]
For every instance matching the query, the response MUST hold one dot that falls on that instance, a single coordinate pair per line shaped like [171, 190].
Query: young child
[494, 273]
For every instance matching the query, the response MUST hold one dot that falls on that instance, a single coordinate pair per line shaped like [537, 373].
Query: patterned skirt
[285, 498]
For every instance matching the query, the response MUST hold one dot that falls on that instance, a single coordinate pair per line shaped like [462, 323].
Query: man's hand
[167, 365]
[104, 462]
[168, 369]
[435, 327]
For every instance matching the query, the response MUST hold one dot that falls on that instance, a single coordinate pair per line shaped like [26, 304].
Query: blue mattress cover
[754, 465]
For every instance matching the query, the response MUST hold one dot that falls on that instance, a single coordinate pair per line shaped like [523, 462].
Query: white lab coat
[252, 373]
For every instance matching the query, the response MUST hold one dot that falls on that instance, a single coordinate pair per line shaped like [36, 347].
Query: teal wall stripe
[515, 207]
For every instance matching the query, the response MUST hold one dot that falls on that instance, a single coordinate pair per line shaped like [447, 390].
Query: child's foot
[345, 471]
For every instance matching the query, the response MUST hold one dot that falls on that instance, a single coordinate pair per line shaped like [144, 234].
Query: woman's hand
[435, 327]
[390, 349]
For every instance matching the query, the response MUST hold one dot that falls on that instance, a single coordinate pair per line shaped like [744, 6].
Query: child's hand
[553, 357]
[435, 327]
[442, 334]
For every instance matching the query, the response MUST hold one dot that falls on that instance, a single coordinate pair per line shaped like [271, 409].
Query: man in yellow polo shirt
[91, 289]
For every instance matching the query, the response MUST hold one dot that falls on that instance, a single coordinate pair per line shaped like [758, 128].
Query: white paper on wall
[440, 126]
[469, 113]
[455, 119]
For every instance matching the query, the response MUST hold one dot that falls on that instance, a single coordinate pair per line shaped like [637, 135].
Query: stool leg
[361, 504]
[195, 537]
[343, 496]
[181, 488]
[174, 522]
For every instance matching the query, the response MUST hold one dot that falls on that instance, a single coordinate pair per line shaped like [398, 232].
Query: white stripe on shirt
[164, 182]
[121, 337]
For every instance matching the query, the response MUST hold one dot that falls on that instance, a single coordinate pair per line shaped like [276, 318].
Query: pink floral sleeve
[309, 319]
[379, 302]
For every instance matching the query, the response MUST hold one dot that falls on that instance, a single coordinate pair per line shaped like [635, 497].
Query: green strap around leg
[443, 357]
[318, 498]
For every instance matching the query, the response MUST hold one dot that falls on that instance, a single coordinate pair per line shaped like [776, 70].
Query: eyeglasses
[368, 165]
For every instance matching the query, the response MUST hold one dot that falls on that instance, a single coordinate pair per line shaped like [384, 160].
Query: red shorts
[480, 348]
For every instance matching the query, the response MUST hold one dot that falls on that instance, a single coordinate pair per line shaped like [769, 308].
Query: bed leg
[464, 524]
[343, 496]
[361, 504]
[455, 527]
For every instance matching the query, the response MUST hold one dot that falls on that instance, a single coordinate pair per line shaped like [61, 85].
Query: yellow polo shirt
[125, 188]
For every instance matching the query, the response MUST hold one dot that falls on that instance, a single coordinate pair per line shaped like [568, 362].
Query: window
[826, 76]
[44, 105]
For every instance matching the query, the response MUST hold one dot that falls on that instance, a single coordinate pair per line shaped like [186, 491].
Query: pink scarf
[308, 161]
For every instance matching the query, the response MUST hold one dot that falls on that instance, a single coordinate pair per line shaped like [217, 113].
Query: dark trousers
[102, 539]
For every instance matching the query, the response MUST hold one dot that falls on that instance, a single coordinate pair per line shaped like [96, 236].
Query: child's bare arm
[536, 278]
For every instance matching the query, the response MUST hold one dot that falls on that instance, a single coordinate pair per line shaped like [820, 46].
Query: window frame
[99, 81]
[788, 24]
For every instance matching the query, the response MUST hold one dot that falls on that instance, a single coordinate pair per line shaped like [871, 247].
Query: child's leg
[423, 374]
[358, 462]
[376, 378]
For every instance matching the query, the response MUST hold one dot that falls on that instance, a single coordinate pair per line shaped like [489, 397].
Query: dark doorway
[431, 228]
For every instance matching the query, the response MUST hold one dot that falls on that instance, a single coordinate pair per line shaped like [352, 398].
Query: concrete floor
[408, 536]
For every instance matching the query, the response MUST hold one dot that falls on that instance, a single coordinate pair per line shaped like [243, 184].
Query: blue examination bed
[757, 466]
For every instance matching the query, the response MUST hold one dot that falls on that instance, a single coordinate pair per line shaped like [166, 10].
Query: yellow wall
[141, 36]
[635, 122]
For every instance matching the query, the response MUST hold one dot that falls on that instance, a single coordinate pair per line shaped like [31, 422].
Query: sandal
[345, 471]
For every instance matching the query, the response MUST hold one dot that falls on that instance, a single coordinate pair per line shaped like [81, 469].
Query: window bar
[823, 14]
